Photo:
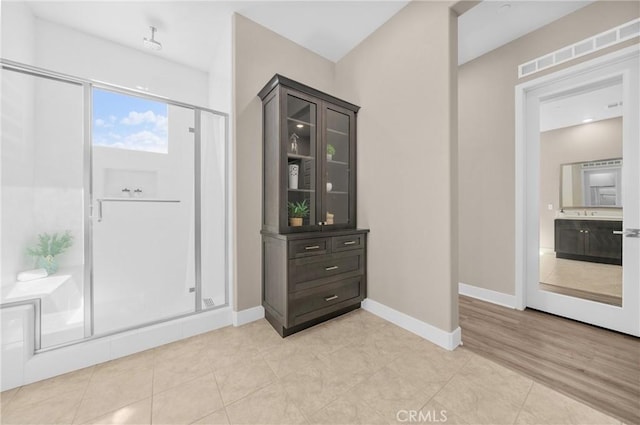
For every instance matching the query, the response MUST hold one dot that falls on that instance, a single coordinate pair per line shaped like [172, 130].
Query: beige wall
[586, 142]
[486, 139]
[403, 76]
[258, 54]
[406, 161]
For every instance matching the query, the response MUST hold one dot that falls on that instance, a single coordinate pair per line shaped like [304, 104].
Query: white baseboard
[447, 340]
[487, 295]
[249, 315]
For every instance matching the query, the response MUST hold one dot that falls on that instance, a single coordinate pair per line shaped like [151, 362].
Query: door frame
[524, 242]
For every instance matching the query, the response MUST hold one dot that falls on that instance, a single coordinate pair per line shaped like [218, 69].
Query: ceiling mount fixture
[586, 120]
[504, 8]
[152, 43]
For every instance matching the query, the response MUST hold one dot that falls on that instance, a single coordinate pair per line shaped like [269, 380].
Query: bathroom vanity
[588, 239]
[313, 256]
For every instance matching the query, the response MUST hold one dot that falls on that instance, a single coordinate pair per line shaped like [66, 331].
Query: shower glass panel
[212, 165]
[143, 166]
[43, 201]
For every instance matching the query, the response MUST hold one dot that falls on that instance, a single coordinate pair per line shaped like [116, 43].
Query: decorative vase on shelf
[329, 186]
[329, 157]
[49, 263]
[293, 176]
[329, 218]
[294, 143]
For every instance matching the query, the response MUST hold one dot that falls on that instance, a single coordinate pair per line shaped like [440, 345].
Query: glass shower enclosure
[110, 201]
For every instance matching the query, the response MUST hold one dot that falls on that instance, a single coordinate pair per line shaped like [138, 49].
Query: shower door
[143, 184]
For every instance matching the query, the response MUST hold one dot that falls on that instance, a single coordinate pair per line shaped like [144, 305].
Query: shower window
[127, 122]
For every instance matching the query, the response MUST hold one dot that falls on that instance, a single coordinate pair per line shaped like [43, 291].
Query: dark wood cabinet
[314, 268]
[588, 240]
[303, 287]
[312, 136]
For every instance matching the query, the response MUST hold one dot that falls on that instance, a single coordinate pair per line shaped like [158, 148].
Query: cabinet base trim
[284, 332]
[487, 295]
[446, 340]
[603, 260]
[249, 315]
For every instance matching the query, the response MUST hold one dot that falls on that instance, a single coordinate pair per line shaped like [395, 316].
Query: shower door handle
[99, 214]
[630, 233]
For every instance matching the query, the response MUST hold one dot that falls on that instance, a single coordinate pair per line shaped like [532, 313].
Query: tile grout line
[153, 383]
[13, 396]
[215, 379]
[448, 381]
[84, 393]
[524, 401]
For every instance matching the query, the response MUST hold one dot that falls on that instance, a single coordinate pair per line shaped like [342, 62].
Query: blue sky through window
[128, 122]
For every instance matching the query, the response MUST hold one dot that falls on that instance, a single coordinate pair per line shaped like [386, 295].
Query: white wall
[18, 32]
[65, 50]
[17, 147]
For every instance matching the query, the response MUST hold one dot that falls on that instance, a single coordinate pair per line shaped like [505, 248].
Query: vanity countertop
[589, 217]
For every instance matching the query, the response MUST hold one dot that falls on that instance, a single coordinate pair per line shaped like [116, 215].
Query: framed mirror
[591, 184]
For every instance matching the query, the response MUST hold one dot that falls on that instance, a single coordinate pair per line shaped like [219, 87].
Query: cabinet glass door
[338, 207]
[302, 136]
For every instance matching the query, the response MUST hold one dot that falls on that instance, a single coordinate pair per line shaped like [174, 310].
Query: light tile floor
[356, 369]
[586, 276]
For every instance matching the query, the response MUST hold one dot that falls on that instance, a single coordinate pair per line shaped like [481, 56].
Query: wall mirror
[591, 184]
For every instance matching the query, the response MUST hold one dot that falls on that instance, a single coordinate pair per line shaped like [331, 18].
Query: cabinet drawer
[309, 247]
[305, 305]
[305, 273]
[347, 243]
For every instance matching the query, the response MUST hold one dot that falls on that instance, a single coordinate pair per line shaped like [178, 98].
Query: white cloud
[150, 137]
[99, 122]
[137, 118]
[162, 124]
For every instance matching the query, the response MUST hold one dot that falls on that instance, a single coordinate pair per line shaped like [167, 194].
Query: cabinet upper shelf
[332, 131]
[301, 122]
[297, 156]
[337, 162]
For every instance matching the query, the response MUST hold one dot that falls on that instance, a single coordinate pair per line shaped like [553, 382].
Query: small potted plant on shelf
[49, 246]
[330, 152]
[297, 211]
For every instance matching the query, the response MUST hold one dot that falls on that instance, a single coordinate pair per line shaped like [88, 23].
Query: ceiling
[597, 104]
[492, 24]
[192, 31]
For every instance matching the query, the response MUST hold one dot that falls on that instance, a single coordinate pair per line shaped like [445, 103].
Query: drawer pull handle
[350, 242]
[309, 248]
[331, 268]
[331, 298]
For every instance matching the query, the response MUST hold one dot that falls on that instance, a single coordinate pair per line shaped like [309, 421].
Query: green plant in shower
[50, 246]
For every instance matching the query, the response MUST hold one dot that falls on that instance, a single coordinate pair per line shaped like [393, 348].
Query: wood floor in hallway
[598, 367]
